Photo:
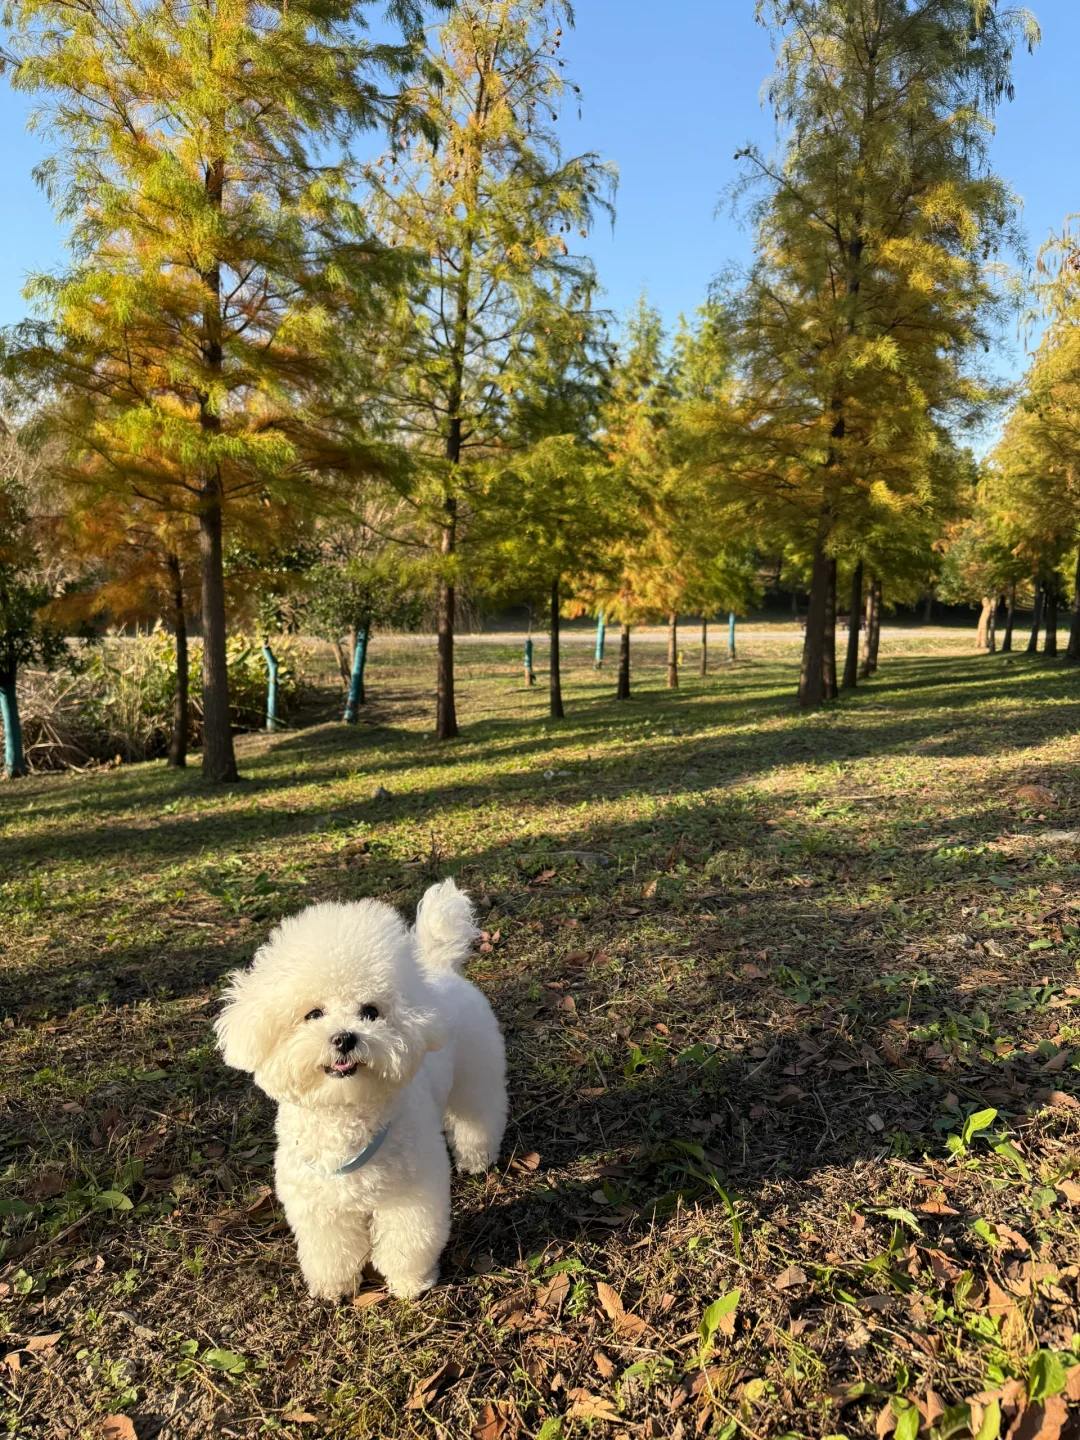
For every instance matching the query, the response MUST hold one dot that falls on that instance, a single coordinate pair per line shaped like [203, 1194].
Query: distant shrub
[119, 700]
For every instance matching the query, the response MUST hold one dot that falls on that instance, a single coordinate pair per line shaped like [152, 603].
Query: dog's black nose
[344, 1041]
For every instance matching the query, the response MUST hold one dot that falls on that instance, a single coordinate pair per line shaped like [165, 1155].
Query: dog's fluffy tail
[445, 928]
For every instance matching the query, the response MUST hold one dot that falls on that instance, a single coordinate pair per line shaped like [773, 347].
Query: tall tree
[490, 206]
[871, 292]
[219, 251]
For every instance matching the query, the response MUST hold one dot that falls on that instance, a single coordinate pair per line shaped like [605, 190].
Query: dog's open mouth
[343, 1068]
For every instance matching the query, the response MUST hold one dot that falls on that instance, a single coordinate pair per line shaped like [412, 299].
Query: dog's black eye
[369, 1012]
[315, 1014]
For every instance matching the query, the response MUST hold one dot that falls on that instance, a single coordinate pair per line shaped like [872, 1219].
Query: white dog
[373, 1047]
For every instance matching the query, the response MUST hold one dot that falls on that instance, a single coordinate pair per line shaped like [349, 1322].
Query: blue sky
[669, 92]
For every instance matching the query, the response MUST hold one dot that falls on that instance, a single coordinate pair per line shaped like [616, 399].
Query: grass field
[791, 1007]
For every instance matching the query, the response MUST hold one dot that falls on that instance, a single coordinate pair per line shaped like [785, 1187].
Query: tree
[489, 206]
[138, 564]
[219, 252]
[870, 292]
[26, 635]
[550, 520]
[358, 583]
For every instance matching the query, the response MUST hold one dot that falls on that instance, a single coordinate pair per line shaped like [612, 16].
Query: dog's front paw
[407, 1285]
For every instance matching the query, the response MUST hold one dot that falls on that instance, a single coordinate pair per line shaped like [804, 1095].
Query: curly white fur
[430, 1060]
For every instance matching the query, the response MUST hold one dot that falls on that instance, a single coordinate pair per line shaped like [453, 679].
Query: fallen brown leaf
[300, 1417]
[1070, 1190]
[43, 1342]
[496, 1421]
[586, 1406]
[625, 1322]
[552, 1296]
[117, 1427]
[607, 1368]
[374, 1295]
[425, 1391]
[527, 1162]
[1040, 1422]
[789, 1278]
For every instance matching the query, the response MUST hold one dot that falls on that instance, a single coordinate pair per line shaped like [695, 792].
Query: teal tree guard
[271, 686]
[356, 680]
[530, 673]
[14, 759]
[598, 663]
[731, 635]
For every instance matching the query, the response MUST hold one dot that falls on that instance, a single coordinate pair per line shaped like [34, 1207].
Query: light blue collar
[368, 1153]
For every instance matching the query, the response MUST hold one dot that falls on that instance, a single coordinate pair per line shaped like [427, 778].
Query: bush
[119, 702]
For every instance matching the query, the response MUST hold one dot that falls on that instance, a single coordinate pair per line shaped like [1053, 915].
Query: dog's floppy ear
[245, 1030]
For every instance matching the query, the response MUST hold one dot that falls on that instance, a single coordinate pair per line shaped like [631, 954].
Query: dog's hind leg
[475, 1115]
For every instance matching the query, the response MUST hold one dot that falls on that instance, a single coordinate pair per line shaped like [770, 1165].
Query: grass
[791, 1007]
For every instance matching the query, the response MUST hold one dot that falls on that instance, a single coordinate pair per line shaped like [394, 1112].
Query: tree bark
[1010, 615]
[829, 658]
[555, 672]
[601, 633]
[991, 626]
[812, 675]
[1050, 643]
[875, 628]
[851, 659]
[928, 608]
[1073, 650]
[14, 758]
[446, 727]
[622, 691]
[704, 649]
[982, 634]
[673, 652]
[218, 757]
[179, 739]
[342, 662]
[1036, 623]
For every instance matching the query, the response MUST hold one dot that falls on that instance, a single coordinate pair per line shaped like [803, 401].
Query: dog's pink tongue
[344, 1064]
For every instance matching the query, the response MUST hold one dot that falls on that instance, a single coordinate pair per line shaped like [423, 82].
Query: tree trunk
[342, 662]
[829, 666]
[982, 634]
[1010, 614]
[704, 649]
[218, 757]
[672, 652]
[14, 758]
[446, 727]
[731, 635]
[1036, 623]
[557, 712]
[179, 739]
[622, 691]
[855, 604]
[601, 634]
[271, 686]
[357, 695]
[928, 608]
[812, 675]
[530, 673]
[991, 626]
[1073, 650]
[1050, 643]
[875, 628]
